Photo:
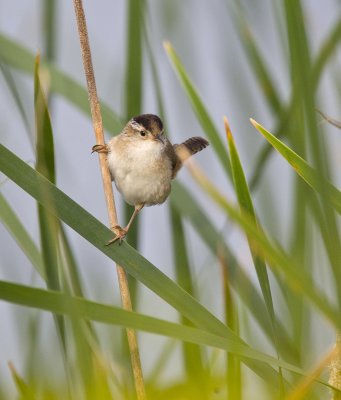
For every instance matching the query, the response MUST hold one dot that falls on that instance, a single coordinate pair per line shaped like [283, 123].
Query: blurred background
[225, 47]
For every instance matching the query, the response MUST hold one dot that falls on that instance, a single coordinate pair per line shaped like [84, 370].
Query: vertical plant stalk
[49, 33]
[233, 369]
[108, 191]
[49, 29]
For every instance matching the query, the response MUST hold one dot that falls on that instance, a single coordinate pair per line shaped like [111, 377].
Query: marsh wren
[143, 162]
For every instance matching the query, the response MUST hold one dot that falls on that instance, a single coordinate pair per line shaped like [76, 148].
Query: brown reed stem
[108, 191]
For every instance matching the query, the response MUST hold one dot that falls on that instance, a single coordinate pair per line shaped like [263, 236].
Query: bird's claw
[99, 148]
[120, 235]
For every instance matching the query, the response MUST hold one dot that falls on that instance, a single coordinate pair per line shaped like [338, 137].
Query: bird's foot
[100, 148]
[120, 235]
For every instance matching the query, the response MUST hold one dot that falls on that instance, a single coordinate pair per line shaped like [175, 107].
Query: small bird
[143, 162]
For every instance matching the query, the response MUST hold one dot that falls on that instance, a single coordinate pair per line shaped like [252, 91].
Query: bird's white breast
[141, 170]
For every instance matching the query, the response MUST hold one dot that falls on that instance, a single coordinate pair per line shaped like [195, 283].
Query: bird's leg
[121, 233]
[100, 148]
[138, 208]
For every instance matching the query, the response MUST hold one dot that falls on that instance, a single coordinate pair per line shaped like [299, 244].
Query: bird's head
[147, 127]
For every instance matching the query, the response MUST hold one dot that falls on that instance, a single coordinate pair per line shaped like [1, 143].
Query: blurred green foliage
[268, 339]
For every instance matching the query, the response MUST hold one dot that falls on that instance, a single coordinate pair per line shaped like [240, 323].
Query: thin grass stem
[109, 195]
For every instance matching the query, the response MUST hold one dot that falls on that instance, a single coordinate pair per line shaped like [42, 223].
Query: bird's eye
[143, 133]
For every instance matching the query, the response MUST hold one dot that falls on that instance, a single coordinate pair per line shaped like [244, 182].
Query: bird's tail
[190, 146]
[187, 149]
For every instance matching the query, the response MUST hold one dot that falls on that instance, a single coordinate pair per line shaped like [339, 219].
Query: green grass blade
[133, 75]
[246, 204]
[233, 365]
[280, 130]
[23, 388]
[49, 26]
[50, 227]
[304, 170]
[18, 57]
[192, 354]
[45, 165]
[257, 61]
[189, 208]
[9, 218]
[199, 108]
[193, 362]
[182, 266]
[154, 70]
[327, 232]
[301, 71]
[295, 276]
[17, 98]
[48, 223]
[133, 99]
[44, 136]
[320, 185]
[97, 234]
[62, 304]
[326, 51]
[133, 106]
[306, 91]
[72, 269]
